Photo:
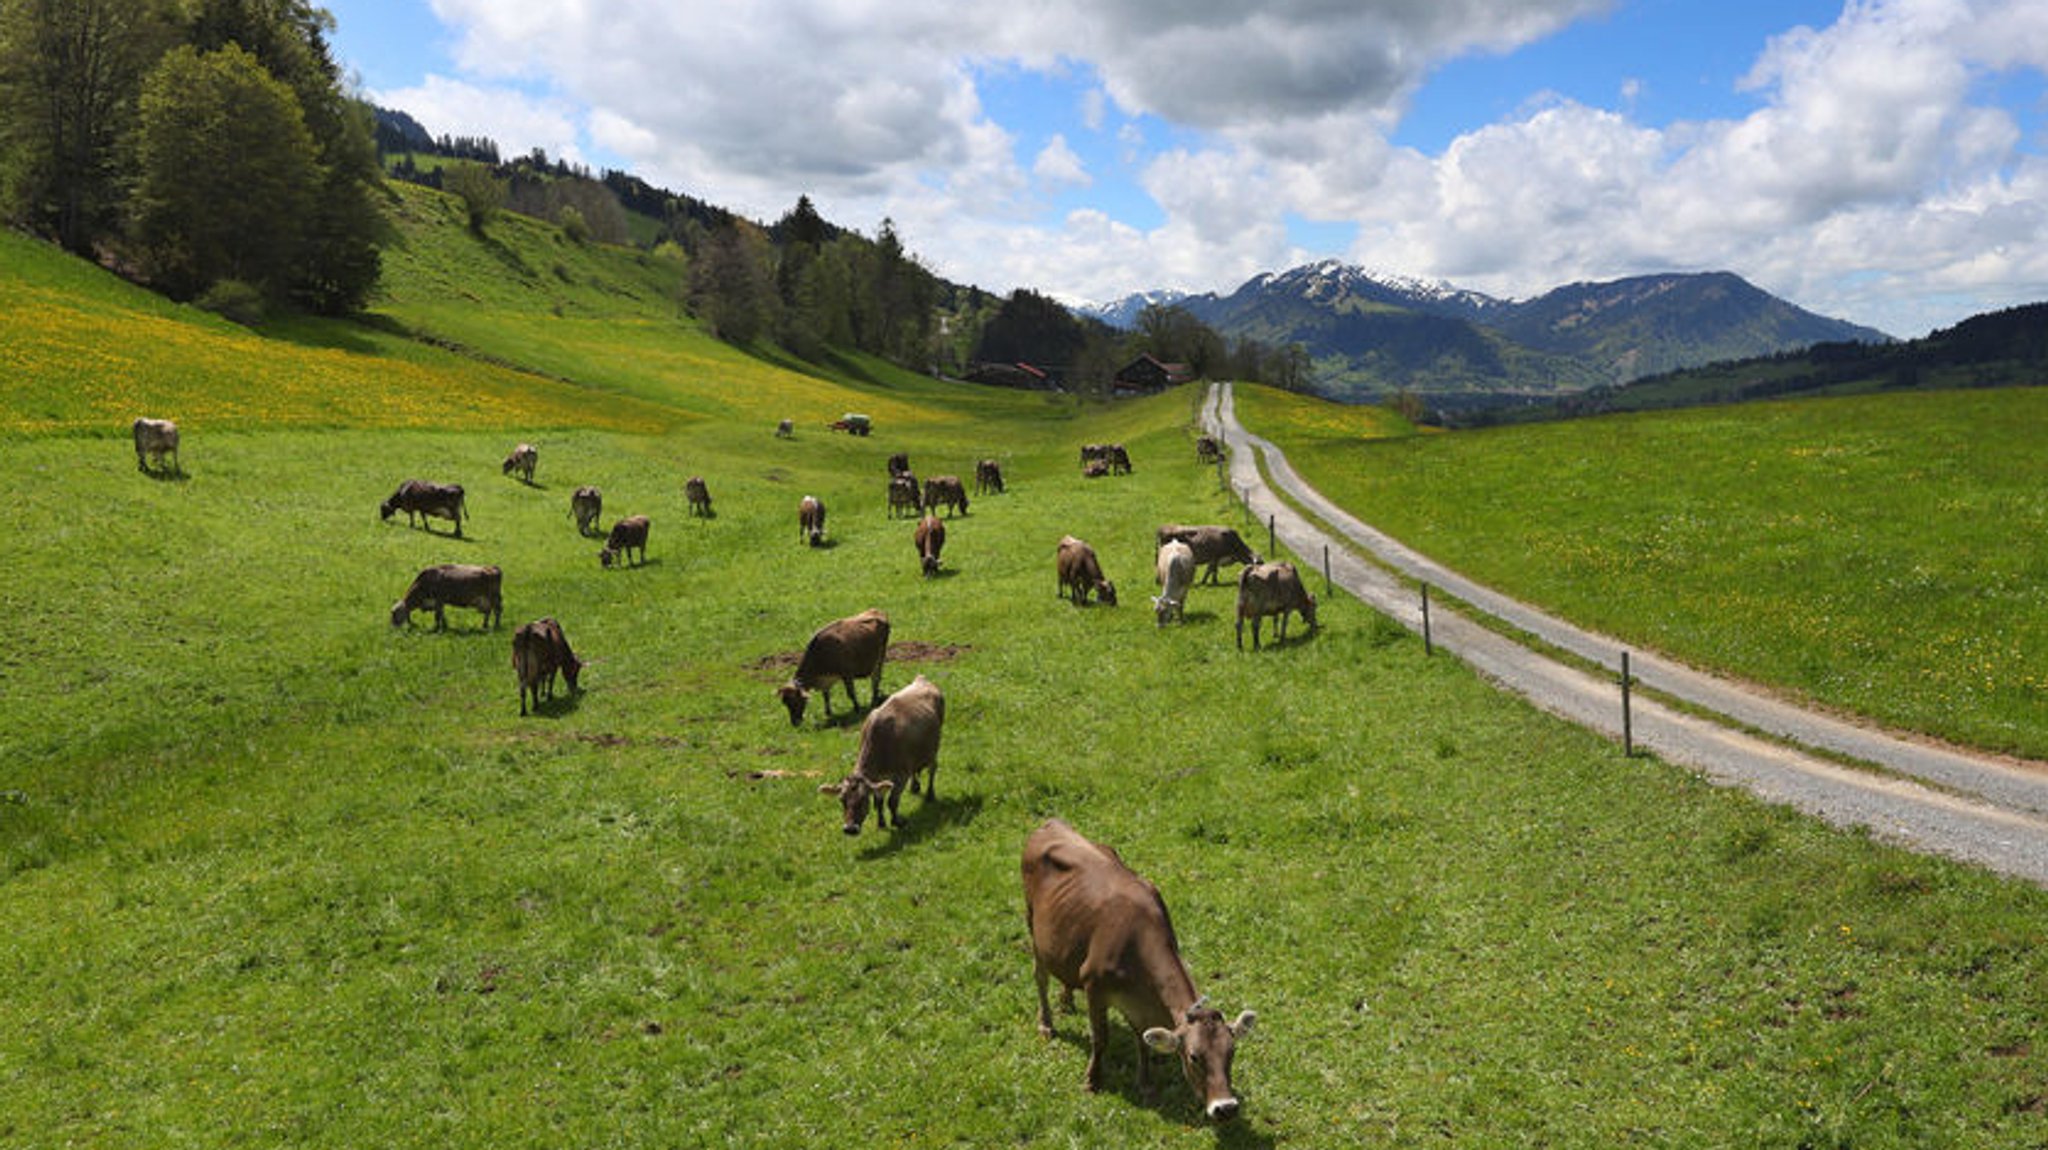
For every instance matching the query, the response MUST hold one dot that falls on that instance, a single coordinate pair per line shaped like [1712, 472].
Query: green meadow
[273, 873]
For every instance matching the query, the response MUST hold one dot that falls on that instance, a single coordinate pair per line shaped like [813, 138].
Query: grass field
[278, 875]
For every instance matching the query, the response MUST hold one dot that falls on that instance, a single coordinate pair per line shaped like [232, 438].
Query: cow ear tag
[1163, 1040]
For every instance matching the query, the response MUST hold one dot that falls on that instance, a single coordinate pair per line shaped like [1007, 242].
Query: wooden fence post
[1628, 735]
[1271, 546]
[1427, 647]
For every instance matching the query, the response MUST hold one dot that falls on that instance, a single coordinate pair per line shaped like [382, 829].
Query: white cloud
[514, 119]
[1058, 165]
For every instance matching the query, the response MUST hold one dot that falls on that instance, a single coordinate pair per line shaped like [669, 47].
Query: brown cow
[587, 505]
[451, 585]
[1096, 469]
[785, 429]
[988, 477]
[422, 501]
[845, 651]
[699, 496]
[1080, 574]
[899, 739]
[899, 464]
[904, 495]
[810, 520]
[1118, 459]
[930, 537]
[946, 489]
[154, 439]
[539, 650]
[1101, 928]
[1212, 544]
[521, 460]
[628, 535]
[1207, 450]
[1093, 452]
[1272, 589]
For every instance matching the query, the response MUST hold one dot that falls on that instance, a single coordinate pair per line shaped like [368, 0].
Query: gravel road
[1981, 809]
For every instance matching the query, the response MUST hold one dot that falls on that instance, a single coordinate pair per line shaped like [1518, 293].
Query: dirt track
[1981, 809]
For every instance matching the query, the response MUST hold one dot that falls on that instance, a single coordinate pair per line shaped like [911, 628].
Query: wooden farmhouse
[1145, 375]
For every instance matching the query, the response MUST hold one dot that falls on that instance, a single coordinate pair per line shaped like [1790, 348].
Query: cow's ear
[1242, 1028]
[831, 788]
[1163, 1040]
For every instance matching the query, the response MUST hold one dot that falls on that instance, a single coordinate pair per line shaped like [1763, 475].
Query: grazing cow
[1176, 575]
[1092, 452]
[1101, 928]
[539, 650]
[628, 535]
[899, 464]
[1212, 544]
[904, 495]
[154, 439]
[1272, 589]
[810, 520]
[699, 496]
[422, 501]
[845, 651]
[451, 585]
[785, 429]
[988, 477]
[587, 505]
[1118, 459]
[931, 539]
[1080, 574]
[946, 489]
[521, 460]
[899, 739]
[1207, 450]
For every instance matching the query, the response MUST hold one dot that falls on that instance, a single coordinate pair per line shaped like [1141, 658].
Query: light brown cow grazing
[988, 477]
[699, 496]
[451, 585]
[947, 490]
[1272, 589]
[1081, 574]
[930, 538]
[1213, 544]
[845, 651]
[899, 739]
[539, 650]
[422, 501]
[1176, 574]
[904, 495]
[1102, 929]
[628, 535]
[587, 505]
[522, 460]
[810, 520]
[155, 439]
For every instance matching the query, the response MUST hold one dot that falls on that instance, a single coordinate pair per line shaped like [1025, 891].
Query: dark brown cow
[1081, 574]
[422, 501]
[1101, 928]
[1118, 459]
[988, 477]
[1091, 452]
[947, 490]
[628, 535]
[699, 496]
[587, 505]
[785, 429]
[904, 495]
[930, 538]
[899, 739]
[451, 585]
[899, 464]
[522, 460]
[845, 651]
[810, 520]
[1207, 450]
[1095, 469]
[1272, 589]
[155, 439]
[1212, 544]
[539, 650]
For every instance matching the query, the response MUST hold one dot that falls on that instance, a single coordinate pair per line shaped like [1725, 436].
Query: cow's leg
[1044, 1006]
[440, 618]
[1144, 1065]
[1098, 1038]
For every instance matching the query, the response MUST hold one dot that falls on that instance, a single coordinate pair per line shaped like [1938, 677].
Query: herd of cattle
[1095, 924]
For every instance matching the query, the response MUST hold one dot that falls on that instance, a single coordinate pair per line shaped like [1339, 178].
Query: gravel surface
[1981, 809]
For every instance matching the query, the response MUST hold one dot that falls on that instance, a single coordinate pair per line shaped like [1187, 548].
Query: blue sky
[1880, 160]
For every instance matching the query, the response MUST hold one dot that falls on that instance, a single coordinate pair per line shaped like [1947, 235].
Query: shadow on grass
[1171, 1097]
[166, 474]
[563, 703]
[930, 817]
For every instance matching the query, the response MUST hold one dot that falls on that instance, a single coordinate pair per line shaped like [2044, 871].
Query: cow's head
[400, 614]
[1206, 1044]
[1308, 610]
[855, 793]
[795, 698]
[1163, 609]
[607, 557]
[387, 507]
[1106, 591]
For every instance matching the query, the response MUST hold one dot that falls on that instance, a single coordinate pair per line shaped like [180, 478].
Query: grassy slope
[1879, 555]
[278, 875]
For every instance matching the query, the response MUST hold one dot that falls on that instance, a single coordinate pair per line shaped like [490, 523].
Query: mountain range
[1370, 335]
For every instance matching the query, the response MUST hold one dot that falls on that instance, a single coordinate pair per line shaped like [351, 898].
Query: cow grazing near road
[988, 477]
[1101, 928]
[810, 520]
[628, 535]
[947, 490]
[155, 439]
[1081, 574]
[899, 739]
[422, 501]
[447, 585]
[699, 496]
[905, 495]
[587, 505]
[1272, 589]
[1176, 574]
[522, 460]
[1212, 544]
[845, 651]
[930, 537]
[899, 464]
[1207, 450]
[539, 651]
